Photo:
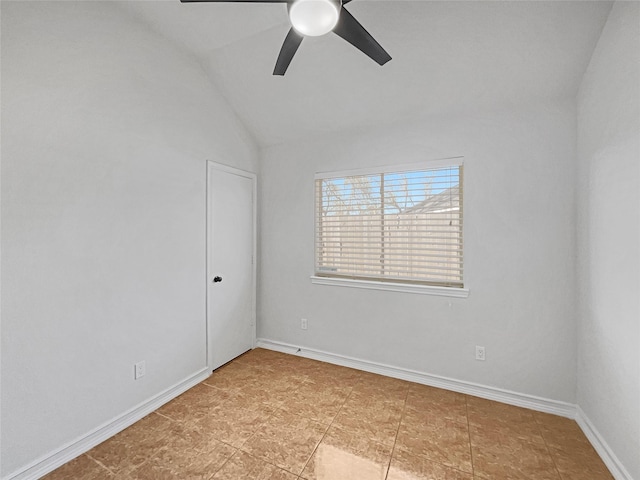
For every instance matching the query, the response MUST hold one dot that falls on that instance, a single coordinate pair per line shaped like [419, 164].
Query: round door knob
[217, 279]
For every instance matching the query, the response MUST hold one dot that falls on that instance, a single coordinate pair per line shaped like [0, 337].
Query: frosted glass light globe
[314, 17]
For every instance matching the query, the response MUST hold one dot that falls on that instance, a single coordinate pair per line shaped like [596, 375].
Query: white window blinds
[399, 226]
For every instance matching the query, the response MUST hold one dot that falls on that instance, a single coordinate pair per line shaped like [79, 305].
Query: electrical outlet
[139, 370]
[303, 323]
[480, 353]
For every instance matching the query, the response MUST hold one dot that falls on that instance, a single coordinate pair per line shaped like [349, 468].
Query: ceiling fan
[318, 17]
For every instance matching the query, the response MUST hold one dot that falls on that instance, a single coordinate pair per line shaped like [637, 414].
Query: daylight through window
[400, 226]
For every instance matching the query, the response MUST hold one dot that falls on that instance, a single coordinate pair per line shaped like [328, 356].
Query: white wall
[106, 128]
[609, 236]
[519, 253]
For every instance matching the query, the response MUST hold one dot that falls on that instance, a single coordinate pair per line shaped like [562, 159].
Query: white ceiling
[448, 56]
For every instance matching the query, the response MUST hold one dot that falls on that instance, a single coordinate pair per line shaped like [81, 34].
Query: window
[399, 225]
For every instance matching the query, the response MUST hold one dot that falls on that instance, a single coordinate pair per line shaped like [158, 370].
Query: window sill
[392, 287]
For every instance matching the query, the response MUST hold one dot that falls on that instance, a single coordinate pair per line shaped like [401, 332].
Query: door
[230, 254]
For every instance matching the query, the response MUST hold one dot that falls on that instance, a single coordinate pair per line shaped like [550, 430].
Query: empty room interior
[320, 240]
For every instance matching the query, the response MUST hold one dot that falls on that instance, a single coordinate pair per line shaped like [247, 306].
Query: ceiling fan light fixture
[314, 17]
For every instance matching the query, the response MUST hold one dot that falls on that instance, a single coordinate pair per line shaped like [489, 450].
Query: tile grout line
[178, 422]
[146, 461]
[395, 440]
[299, 475]
[324, 434]
[159, 449]
[531, 442]
[166, 416]
[546, 445]
[226, 461]
[466, 409]
[239, 448]
[99, 463]
[448, 466]
[279, 408]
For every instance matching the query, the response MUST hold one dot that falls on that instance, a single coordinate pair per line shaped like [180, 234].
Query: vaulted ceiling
[448, 57]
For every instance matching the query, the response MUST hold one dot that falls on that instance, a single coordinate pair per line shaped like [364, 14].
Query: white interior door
[231, 272]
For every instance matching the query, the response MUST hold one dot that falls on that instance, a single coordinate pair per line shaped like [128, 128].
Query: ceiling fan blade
[235, 1]
[288, 50]
[354, 33]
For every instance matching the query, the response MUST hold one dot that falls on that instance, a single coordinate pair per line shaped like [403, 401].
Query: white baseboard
[68, 452]
[491, 393]
[608, 457]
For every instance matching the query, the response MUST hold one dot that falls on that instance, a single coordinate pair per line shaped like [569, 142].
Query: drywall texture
[106, 128]
[519, 253]
[609, 236]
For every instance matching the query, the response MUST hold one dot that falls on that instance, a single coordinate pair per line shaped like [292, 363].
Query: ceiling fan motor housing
[313, 18]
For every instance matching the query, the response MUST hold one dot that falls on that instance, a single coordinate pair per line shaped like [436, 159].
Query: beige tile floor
[271, 416]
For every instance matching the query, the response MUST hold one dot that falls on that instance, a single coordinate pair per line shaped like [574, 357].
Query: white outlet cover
[140, 369]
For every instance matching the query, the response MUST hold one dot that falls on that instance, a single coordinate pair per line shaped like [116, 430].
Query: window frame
[387, 285]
